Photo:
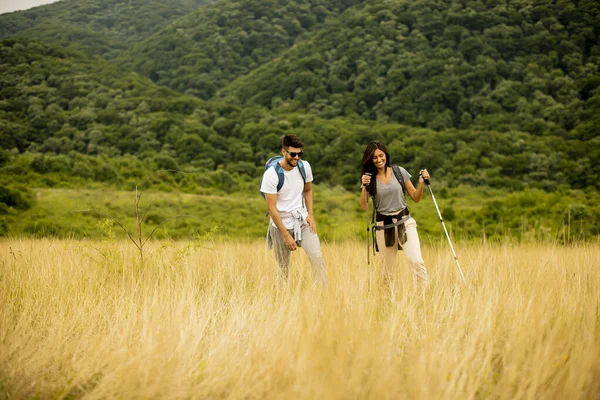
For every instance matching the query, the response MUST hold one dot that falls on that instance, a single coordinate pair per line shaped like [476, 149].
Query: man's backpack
[274, 162]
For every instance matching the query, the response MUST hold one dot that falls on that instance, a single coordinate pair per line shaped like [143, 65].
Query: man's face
[292, 155]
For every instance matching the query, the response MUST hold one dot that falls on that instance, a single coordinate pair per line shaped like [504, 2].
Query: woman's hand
[364, 192]
[423, 174]
[366, 179]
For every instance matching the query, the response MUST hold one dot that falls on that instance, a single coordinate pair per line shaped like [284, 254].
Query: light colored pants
[412, 249]
[311, 245]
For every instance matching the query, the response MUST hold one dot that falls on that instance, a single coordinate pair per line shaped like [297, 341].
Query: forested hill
[512, 87]
[207, 49]
[103, 27]
[71, 120]
[65, 112]
[57, 101]
[529, 65]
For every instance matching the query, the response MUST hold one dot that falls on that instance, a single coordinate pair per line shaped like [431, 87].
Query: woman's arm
[417, 193]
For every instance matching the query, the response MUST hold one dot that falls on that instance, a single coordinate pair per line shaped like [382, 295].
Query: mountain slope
[529, 65]
[57, 101]
[96, 26]
[54, 101]
[207, 49]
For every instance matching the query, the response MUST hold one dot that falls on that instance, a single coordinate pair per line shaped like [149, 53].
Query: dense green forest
[58, 102]
[104, 27]
[488, 65]
[493, 97]
[204, 51]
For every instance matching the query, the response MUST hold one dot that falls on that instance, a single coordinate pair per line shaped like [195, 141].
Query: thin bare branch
[147, 209]
[138, 196]
[113, 219]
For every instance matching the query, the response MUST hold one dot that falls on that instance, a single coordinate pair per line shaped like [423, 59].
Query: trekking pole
[445, 230]
[368, 225]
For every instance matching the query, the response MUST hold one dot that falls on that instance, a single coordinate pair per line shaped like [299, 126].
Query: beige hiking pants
[311, 245]
[412, 249]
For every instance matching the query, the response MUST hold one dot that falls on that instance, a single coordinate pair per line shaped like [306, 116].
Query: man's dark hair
[291, 141]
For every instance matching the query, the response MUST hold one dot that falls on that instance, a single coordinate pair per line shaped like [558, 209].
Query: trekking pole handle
[426, 180]
[368, 174]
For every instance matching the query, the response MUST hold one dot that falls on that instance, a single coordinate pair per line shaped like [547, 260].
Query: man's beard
[289, 163]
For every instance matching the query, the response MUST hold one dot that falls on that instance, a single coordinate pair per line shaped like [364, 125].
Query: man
[292, 223]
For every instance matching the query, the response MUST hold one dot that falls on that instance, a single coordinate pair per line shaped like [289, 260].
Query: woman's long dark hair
[369, 167]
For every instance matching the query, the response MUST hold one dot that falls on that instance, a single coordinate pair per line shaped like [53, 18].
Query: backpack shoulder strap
[278, 171]
[280, 177]
[399, 177]
[302, 170]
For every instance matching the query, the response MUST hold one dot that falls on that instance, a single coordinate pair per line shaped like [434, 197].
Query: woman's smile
[379, 159]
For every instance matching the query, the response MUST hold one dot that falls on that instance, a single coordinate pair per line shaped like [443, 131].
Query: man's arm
[308, 200]
[290, 243]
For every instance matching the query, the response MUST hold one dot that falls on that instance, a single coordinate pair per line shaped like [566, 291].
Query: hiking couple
[287, 188]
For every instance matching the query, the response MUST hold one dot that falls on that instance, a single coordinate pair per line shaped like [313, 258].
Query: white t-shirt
[290, 197]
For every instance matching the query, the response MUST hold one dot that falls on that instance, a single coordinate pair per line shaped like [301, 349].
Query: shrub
[82, 169]
[17, 197]
[164, 161]
[224, 181]
[107, 173]
[60, 163]
[38, 164]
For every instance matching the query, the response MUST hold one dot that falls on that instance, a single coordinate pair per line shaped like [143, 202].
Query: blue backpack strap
[302, 170]
[279, 171]
[274, 162]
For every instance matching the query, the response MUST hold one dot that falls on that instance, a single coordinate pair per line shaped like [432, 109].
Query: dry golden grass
[83, 319]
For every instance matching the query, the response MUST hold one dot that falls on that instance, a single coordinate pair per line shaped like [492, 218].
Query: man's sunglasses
[293, 154]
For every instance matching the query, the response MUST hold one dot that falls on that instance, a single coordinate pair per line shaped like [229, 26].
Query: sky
[14, 5]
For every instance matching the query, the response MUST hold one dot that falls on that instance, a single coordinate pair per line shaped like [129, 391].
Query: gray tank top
[389, 199]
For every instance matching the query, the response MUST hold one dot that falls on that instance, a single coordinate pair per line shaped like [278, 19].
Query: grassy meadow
[208, 319]
[470, 213]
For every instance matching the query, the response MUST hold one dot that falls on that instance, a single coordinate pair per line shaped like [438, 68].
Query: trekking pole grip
[426, 180]
[367, 185]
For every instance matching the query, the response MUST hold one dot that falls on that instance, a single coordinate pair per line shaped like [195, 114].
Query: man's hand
[312, 223]
[290, 243]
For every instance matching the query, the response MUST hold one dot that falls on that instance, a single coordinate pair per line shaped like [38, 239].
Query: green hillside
[499, 100]
[489, 65]
[103, 27]
[59, 102]
[207, 49]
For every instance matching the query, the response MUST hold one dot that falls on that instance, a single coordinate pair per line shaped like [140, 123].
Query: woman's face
[378, 159]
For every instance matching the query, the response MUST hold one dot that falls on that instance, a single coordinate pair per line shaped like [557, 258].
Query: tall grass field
[210, 320]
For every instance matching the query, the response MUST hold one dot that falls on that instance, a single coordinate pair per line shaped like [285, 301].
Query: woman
[395, 228]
